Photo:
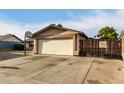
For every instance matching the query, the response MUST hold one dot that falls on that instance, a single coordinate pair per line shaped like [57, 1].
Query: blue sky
[89, 21]
[46, 14]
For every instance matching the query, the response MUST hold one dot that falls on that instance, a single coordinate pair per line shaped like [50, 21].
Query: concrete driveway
[45, 69]
[51, 69]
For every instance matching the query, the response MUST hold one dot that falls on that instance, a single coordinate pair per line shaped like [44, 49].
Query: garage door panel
[56, 46]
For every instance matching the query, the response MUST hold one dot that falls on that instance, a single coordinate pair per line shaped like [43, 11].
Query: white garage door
[56, 46]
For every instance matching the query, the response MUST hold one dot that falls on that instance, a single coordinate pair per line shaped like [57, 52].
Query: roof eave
[64, 28]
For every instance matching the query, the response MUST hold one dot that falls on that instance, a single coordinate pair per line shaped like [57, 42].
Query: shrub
[18, 47]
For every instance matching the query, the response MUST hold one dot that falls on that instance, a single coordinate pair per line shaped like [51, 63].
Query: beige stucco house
[56, 39]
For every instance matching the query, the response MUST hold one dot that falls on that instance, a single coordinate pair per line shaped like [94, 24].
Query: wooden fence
[101, 48]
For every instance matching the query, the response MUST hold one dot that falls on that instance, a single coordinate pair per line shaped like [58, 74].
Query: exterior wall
[56, 46]
[123, 48]
[8, 43]
[50, 32]
[79, 37]
[35, 49]
[13, 39]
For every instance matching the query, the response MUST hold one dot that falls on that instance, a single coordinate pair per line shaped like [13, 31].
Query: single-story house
[59, 40]
[7, 41]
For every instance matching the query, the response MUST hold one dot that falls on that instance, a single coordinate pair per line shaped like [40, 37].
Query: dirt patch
[61, 59]
[70, 63]
[97, 69]
[120, 68]
[49, 65]
[94, 82]
[98, 62]
[37, 57]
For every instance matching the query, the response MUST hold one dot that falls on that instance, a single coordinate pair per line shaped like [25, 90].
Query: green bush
[18, 47]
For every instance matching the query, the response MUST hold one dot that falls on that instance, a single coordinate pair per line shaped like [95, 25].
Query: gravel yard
[106, 71]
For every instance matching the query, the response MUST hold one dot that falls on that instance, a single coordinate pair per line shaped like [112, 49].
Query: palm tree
[122, 34]
[107, 33]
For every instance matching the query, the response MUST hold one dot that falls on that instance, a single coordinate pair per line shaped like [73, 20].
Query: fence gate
[101, 48]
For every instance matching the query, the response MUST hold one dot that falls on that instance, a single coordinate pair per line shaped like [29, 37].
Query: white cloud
[91, 24]
[88, 24]
[16, 28]
[12, 28]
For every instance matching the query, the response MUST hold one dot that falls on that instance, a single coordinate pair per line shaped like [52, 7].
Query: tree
[122, 34]
[107, 33]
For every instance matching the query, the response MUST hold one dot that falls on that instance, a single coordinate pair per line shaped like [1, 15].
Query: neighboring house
[7, 41]
[30, 43]
[56, 39]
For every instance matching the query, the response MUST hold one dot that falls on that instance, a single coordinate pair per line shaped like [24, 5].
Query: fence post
[98, 47]
[122, 47]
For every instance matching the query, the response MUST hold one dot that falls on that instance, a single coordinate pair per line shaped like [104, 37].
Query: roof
[65, 34]
[60, 27]
[2, 37]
